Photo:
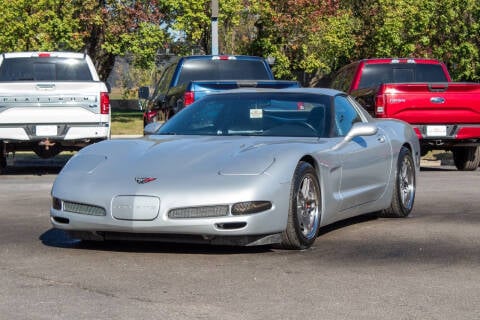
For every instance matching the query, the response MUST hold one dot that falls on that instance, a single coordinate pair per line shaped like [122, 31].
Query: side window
[164, 82]
[345, 116]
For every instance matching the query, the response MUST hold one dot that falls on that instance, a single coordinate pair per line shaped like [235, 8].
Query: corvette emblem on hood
[143, 180]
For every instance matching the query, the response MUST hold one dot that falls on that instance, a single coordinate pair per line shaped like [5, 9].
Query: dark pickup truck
[188, 78]
[444, 114]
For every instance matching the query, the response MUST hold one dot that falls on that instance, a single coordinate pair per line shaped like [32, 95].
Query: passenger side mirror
[361, 129]
[143, 93]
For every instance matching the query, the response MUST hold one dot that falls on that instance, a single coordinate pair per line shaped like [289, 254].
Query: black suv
[169, 95]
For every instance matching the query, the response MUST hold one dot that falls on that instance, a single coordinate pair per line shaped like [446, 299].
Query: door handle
[381, 138]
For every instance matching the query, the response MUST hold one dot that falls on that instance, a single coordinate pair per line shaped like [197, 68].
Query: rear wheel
[305, 209]
[3, 163]
[466, 158]
[3, 158]
[404, 189]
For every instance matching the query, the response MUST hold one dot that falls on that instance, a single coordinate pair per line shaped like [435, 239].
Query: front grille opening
[82, 208]
[231, 225]
[198, 212]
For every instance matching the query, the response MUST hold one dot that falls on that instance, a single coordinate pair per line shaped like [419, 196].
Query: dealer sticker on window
[256, 113]
[436, 131]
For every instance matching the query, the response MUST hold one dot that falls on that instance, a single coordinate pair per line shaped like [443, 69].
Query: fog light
[56, 203]
[249, 207]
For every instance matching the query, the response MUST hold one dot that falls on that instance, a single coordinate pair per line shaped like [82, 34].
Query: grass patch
[127, 122]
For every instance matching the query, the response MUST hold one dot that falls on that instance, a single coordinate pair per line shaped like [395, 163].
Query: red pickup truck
[444, 114]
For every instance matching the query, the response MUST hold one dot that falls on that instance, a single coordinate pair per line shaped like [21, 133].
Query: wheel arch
[416, 156]
[316, 166]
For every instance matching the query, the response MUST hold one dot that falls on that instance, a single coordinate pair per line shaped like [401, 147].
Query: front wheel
[404, 189]
[466, 158]
[305, 209]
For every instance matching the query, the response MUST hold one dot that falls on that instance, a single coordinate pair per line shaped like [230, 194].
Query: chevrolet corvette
[242, 167]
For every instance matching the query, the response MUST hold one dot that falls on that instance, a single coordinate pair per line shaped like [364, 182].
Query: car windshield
[254, 114]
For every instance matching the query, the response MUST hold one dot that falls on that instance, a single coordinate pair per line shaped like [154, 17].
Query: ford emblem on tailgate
[143, 180]
[437, 100]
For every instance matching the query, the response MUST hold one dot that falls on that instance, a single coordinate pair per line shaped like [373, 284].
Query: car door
[365, 161]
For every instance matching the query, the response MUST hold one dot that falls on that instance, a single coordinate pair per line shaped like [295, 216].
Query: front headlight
[249, 207]
[56, 203]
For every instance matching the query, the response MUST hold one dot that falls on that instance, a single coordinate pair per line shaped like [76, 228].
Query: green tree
[102, 28]
[39, 25]
[190, 23]
[447, 30]
[129, 27]
[308, 38]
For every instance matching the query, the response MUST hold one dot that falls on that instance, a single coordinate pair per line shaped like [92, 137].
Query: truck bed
[435, 103]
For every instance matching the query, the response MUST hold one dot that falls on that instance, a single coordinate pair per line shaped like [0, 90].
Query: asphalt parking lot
[424, 267]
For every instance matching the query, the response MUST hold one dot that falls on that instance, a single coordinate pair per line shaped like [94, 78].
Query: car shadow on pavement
[60, 239]
[31, 170]
[30, 164]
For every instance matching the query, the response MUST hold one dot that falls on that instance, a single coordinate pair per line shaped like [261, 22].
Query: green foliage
[308, 38]
[104, 29]
[190, 23]
[447, 30]
[39, 25]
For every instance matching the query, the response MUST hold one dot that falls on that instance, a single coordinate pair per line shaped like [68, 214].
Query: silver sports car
[244, 167]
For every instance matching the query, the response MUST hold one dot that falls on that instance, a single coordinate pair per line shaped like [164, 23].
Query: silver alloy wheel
[407, 183]
[307, 207]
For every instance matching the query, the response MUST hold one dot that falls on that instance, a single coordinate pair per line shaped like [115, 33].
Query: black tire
[3, 158]
[466, 158]
[3, 163]
[305, 209]
[404, 189]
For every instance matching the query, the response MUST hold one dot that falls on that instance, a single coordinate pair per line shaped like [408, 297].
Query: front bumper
[144, 223]
[448, 135]
[31, 132]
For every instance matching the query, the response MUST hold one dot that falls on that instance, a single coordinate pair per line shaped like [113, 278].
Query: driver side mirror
[143, 93]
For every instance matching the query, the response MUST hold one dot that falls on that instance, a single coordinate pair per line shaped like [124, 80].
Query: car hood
[179, 156]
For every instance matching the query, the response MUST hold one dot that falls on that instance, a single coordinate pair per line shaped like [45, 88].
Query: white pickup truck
[50, 102]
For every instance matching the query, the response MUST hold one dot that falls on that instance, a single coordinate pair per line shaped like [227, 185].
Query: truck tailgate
[435, 103]
[202, 88]
[46, 102]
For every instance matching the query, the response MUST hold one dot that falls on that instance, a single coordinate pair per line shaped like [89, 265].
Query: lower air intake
[83, 208]
[198, 212]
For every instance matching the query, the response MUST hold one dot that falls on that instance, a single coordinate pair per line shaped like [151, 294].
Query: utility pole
[214, 27]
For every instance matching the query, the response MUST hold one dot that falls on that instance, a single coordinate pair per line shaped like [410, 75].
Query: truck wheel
[3, 163]
[404, 188]
[44, 153]
[466, 158]
[3, 158]
[305, 209]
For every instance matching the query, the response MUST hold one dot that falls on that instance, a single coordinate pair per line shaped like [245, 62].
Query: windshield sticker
[256, 113]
